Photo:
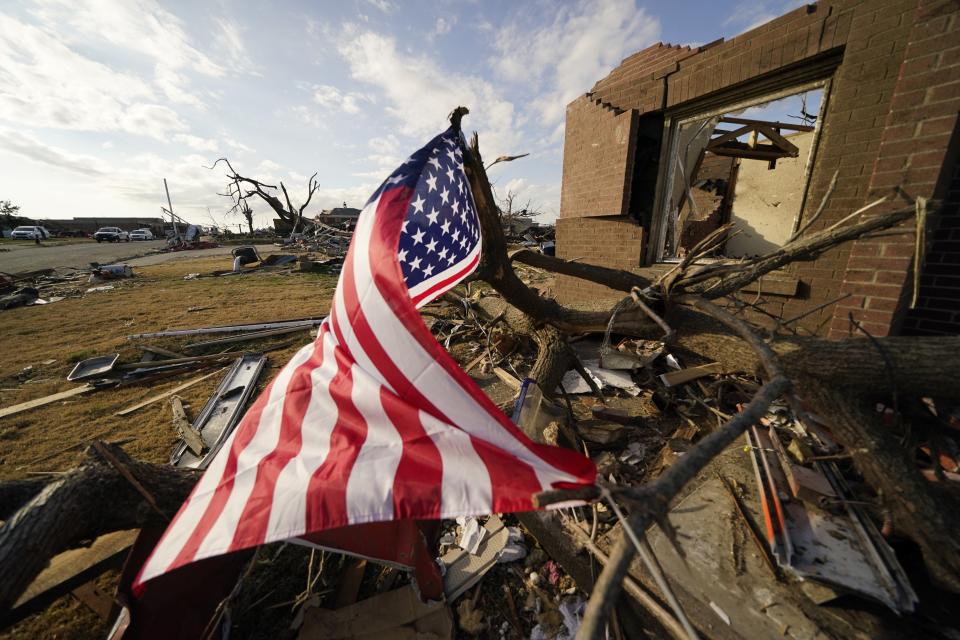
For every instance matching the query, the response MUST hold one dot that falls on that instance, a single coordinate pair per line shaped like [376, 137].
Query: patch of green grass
[77, 356]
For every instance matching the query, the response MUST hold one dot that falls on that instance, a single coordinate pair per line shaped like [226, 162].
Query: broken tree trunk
[81, 505]
[931, 520]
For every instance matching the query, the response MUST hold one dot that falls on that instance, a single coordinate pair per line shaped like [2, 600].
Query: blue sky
[100, 100]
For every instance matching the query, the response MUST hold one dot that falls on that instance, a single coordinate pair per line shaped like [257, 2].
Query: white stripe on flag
[424, 372]
[370, 485]
[466, 488]
[288, 516]
[265, 440]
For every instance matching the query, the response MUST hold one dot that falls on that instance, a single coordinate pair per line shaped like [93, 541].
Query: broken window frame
[668, 156]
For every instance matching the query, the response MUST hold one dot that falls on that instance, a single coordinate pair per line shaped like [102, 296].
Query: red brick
[882, 304]
[879, 264]
[899, 250]
[874, 290]
[945, 92]
[942, 125]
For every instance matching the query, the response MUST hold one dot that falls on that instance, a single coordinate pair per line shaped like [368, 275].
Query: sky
[101, 100]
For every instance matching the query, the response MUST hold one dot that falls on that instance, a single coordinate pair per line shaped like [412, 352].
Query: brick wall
[938, 306]
[597, 159]
[608, 242]
[895, 87]
[916, 155]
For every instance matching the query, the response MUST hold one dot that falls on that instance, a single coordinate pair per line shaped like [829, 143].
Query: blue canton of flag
[440, 238]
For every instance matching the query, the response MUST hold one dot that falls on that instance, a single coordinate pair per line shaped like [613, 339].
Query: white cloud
[43, 83]
[442, 26]
[384, 144]
[229, 40]
[133, 26]
[237, 146]
[386, 156]
[564, 58]
[543, 197]
[420, 93]
[43, 153]
[196, 143]
[268, 166]
[387, 6]
[753, 13]
[308, 116]
[332, 98]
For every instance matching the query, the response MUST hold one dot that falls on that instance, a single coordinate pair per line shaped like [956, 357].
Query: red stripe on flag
[389, 280]
[327, 488]
[245, 433]
[255, 519]
[504, 470]
[445, 283]
[417, 486]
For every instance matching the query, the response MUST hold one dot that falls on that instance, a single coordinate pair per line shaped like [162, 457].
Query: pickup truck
[111, 234]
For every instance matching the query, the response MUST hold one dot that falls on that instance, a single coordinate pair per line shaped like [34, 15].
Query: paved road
[29, 258]
[80, 255]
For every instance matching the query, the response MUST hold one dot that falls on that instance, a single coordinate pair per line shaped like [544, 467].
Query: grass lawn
[99, 323]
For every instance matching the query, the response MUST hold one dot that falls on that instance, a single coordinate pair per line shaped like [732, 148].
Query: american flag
[373, 421]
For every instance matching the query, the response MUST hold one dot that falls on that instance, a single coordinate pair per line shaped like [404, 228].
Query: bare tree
[241, 187]
[512, 211]
[8, 210]
[247, 214]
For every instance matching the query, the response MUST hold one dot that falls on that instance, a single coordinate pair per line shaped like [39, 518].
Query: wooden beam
[39, 402]
[730, 135]
[778, 140]
[165, 394]
[774, 124]
[70, 570]
[673, 378]
[740, 150]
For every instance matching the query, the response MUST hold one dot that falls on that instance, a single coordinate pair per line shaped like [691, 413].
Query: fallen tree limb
[613, 278]
[706, 331]
[81, 505]
[651, 501]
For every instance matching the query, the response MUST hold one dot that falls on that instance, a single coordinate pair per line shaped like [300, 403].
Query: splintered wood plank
[70, 570]
[189, 435]
[674, 378]
[164, 395]
[39, 402]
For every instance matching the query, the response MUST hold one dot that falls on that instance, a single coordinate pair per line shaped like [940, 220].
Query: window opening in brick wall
[748, 165]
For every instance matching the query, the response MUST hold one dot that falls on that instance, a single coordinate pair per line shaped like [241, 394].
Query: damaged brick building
[678, 140]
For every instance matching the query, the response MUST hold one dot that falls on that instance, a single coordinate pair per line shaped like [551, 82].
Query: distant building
[339, 216]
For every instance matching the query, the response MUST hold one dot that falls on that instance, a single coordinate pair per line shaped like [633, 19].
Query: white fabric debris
[471, 536]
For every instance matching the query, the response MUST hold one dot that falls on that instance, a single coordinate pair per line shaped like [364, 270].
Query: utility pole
[173, 218]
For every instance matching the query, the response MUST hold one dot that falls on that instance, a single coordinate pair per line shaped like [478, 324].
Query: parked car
[30, 233]
[141, 234]
[111, 234]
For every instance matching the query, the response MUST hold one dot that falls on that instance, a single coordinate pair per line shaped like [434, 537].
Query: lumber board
[164, 395]
[673, 378]
[39, 402]
[70, 570]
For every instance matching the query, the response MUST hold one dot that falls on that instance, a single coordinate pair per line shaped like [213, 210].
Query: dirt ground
[99, 323]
